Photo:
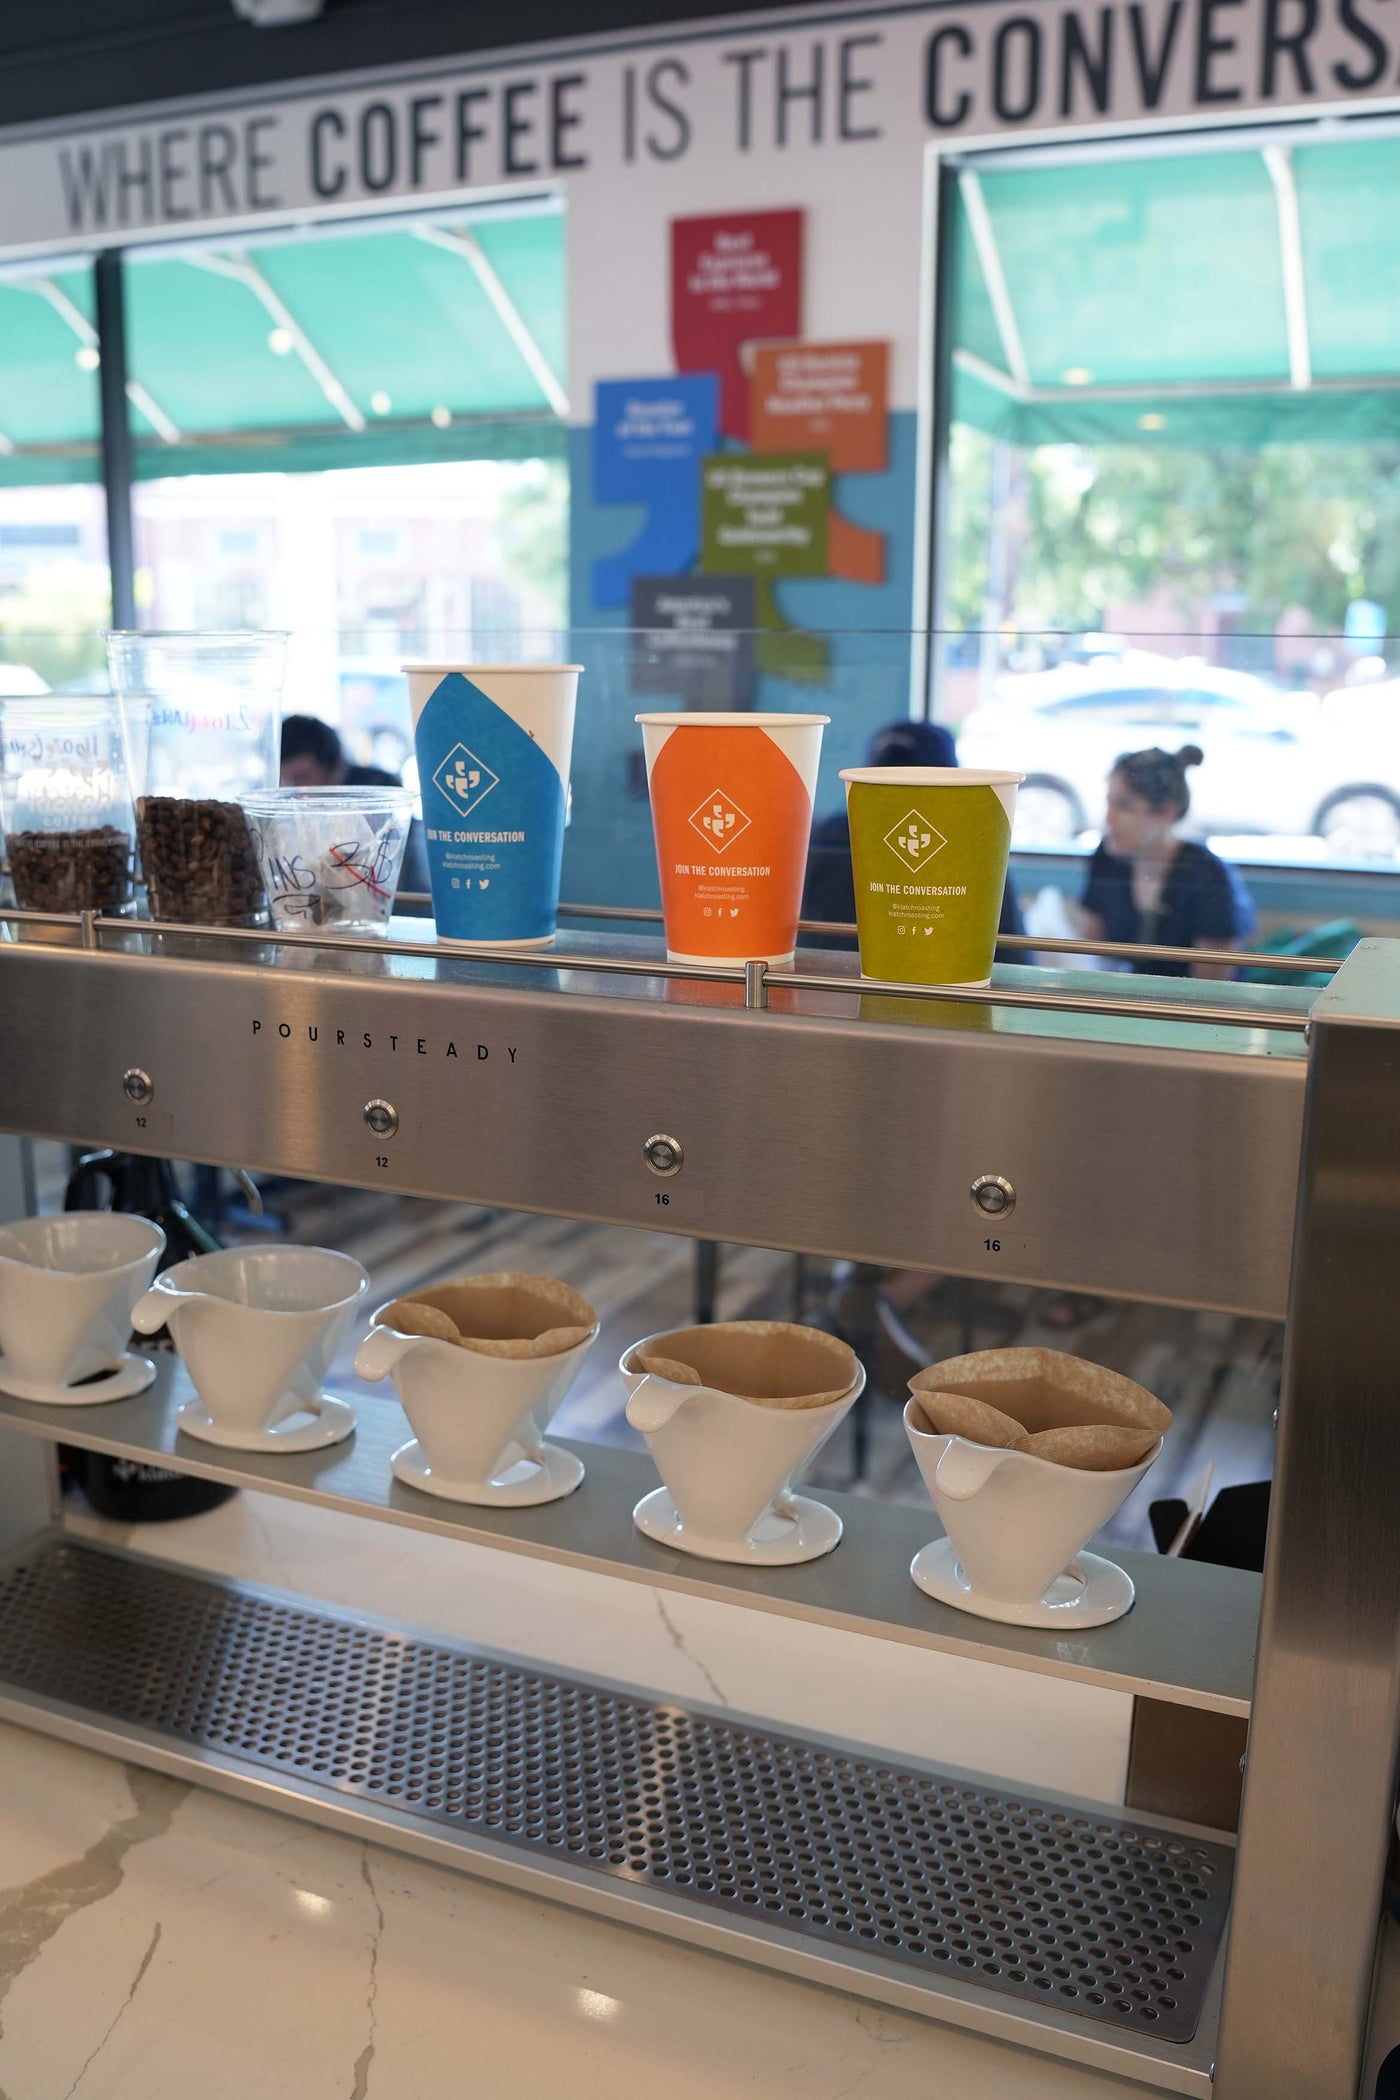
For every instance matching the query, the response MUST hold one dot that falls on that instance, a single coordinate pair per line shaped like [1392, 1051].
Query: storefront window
[53, 545]
[357, 436]
[1182, 533]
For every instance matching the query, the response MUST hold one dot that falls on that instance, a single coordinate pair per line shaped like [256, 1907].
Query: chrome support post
[1319, 1791]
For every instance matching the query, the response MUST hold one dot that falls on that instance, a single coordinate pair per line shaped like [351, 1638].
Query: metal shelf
[1190, 1639]
[533, 1084]
[1033, 1919]
[1156, 1138]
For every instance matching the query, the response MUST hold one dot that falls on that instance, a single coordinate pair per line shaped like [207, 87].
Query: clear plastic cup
[330, 856]
[65, 802]
[213, 713]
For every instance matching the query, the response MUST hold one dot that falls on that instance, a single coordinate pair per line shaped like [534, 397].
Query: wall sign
[855, 93]
[698, 640]
[734, 280]
[649, 440]
[823, 397]
[765, 516]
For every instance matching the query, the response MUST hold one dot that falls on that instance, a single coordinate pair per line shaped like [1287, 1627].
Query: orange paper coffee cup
[731, 807]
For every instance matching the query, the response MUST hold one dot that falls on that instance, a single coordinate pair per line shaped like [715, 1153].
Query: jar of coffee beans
[213, 702]
[71, 870]
[198, 859]
[65, 800]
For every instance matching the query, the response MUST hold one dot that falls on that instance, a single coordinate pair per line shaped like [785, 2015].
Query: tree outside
[1287, 536]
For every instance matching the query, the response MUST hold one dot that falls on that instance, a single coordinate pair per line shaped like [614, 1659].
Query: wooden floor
[1219, 1374]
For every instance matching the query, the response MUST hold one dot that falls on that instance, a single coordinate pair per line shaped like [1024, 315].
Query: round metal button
[993, 1195]
[138, 1086]
[664, 1155]
[382, 1118]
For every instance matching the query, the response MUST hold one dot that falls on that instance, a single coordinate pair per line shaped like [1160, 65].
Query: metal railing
[1030, 943]
[757, 979]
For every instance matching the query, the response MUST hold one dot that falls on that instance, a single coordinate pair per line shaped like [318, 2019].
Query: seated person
[830, 889]
[313, 756]
[1146, 884]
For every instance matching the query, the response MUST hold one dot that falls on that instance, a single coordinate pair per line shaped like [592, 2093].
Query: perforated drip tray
[1098, 1917]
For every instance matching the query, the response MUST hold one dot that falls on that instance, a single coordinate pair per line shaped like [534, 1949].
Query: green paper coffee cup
[929, 848]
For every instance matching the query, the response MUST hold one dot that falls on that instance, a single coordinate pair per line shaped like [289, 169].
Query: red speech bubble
[736, 278]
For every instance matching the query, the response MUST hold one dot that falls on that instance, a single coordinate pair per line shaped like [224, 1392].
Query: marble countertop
[160, 1942]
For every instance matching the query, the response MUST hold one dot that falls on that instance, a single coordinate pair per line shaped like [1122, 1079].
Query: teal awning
[1215, 297]
[433, 341]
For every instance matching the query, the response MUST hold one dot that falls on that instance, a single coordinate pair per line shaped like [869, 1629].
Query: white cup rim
[169, 1279]
[718, 718]
[91, 1219]
[929, 776]
[493, 670]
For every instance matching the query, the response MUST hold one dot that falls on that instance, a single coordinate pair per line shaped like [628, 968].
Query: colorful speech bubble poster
[693, 637]
[649, 438]
[764, 516]
[833, 397]
[736, 278]
[823, 397]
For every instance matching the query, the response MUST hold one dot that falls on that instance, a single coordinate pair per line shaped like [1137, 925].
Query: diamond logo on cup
[464, 780]
[915, 839]
[719, 821]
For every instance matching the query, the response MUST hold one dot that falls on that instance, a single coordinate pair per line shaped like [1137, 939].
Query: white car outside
[1274, 762]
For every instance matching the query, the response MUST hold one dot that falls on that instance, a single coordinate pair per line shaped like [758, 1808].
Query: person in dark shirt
[1146, 884]
[830, 888]
[312, 755]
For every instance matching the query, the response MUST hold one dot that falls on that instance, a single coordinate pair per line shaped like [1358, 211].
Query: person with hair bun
[1146, 884]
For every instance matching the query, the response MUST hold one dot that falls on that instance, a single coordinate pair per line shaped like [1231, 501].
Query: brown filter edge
[1045, 1389]
[772, 1363]
[667, 1367]
[1094, 1447]
[958, 1414]
[510, 1305]
[404, 1317]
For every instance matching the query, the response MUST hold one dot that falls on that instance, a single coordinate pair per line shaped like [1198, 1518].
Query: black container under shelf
[128, 1490]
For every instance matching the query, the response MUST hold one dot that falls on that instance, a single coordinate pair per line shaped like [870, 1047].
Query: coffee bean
[199, 862]
[71, 870]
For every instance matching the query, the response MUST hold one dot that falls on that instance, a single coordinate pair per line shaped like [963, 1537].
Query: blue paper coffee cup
[493, 744]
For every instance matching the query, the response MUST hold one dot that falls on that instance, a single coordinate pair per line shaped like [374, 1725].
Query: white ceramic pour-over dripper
[256, 1328]
[728, 1466]
[478, 1421]
[67, 1288]
[1016, 1527]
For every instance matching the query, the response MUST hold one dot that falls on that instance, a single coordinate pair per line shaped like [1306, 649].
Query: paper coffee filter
[1045, 1389]
[509, 1313]
[1098, 1447]
[407, 1318]
[771, 1362]
[957, 1414]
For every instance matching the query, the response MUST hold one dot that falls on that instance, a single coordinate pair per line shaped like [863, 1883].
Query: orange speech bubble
[822, 397]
